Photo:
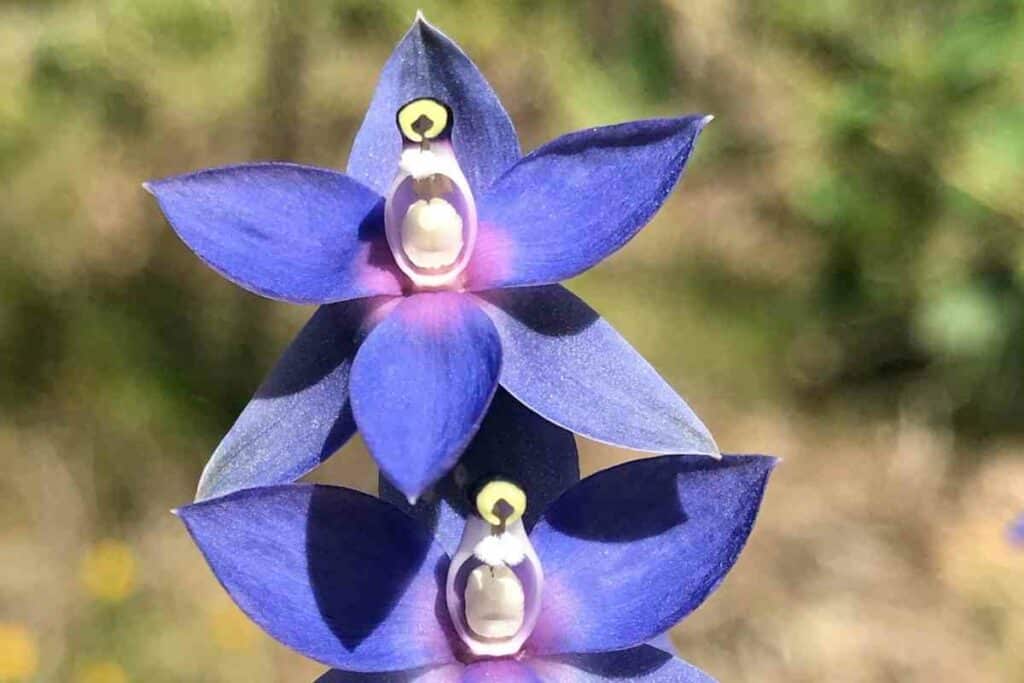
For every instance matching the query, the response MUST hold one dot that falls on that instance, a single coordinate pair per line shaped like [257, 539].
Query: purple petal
[500, 671]
[448, 673]
[663, 642]
[643, 664]
[335, 574]
[578, 199]
[567, 363]
[513, 443]
[428, 64]
[421, 384]
[300, 415]
[631, 550]
[289, 232]
[1015, 531]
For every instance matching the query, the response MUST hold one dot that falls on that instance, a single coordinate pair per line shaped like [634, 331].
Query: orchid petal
[653, 538]
[513, 443]
[335, 574]
[448, 673]
[500, 671]
[284, 231]
[421, 383]
[568, 205]
[426, 63]
[663, 642]
[567, 363]
[300, 415]
[643, 664]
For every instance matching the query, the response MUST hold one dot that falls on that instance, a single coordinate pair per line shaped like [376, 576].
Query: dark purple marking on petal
[643, 664]
[631, 550]
[568, 205]
[426, 63]
[335, 574]
[421, 384]
[513, 443]
[284, 231]
[300, 415]
[567, 363]
[448, 673]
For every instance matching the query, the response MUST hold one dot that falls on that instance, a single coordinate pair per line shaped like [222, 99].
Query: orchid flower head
[435, 259]
[615, 561]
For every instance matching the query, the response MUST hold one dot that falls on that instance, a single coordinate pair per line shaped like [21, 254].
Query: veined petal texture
[284, 231]
[574, 201]
[426, 63]
[568, 364]
[421, 383]
[340, 576]
[300, 415]
[633, 549]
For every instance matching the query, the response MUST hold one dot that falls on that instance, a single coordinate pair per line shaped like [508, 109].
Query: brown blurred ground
[889, 387]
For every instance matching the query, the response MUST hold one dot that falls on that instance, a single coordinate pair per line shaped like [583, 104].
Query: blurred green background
[840, 281]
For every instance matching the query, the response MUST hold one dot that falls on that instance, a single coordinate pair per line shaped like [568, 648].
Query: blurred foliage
[916, 201]
[847, 250]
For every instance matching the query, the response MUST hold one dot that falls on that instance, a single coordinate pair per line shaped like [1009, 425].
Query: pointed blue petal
[335, 574]
[426, 63]
[651, 537]
[643, 664]
[284, 231]
[513, 443]
[300, 415]
[421, 383]
[578, 199]
[567, 363]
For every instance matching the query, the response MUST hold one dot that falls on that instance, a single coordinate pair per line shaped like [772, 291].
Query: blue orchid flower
[436, 259]
[620, 557]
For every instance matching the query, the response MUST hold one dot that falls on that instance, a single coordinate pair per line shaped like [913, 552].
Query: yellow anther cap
[492, 494]
[423, 119]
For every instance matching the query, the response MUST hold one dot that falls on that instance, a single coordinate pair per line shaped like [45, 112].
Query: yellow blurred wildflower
[107, 571]
[231, 629]
[19, 653]
[104, 671]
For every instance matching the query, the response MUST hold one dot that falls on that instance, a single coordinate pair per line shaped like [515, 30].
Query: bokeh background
[839, 280]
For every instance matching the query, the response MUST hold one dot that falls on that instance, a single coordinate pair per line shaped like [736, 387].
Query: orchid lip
[493, 588]
[430, 216]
